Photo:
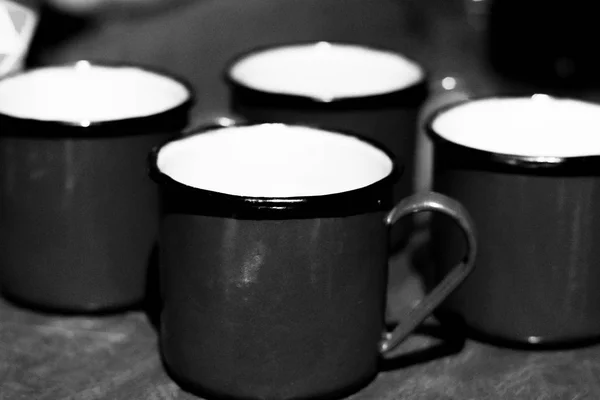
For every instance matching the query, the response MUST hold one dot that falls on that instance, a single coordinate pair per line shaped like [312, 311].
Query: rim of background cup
[504, 161]
[240, 206]
[114, 127]
[407, 93]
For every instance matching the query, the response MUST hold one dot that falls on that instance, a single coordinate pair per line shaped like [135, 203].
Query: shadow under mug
[78, 214]
[274, 260]
[374, 92]
[527, 169]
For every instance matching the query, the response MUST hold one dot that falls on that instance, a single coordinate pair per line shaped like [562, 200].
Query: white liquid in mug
[537, 126]
[273, 160]
[84, 93]
[326, 71]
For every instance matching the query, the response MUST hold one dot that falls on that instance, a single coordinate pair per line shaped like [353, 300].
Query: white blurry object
[87, 7]
[17, 25]
[78, 6]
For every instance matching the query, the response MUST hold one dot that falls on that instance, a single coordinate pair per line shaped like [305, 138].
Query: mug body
[273, 309]
[78, 215]
[374, 92]
[276, 289]
[530, 183]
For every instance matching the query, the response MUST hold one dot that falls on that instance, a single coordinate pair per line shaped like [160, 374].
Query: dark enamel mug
[78, 214]
[274, 257]
[527, 169]
[372, 91]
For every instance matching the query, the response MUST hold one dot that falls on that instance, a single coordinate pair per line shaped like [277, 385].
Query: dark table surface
[117, 357]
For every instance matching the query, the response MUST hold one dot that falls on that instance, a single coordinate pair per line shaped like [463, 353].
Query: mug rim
[349, 202]
[112, 127]
[406, 93]
[506, 161]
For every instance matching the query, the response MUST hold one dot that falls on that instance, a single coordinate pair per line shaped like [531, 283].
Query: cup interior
[273, 160]
[532, 126]
[86, 93]
[326, 71]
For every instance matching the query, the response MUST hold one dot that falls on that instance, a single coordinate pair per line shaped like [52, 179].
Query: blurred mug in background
[374, 92]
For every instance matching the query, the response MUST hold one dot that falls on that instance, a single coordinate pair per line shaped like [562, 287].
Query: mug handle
[431, 201]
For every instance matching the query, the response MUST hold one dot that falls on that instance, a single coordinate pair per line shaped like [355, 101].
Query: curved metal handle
[432, 201]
